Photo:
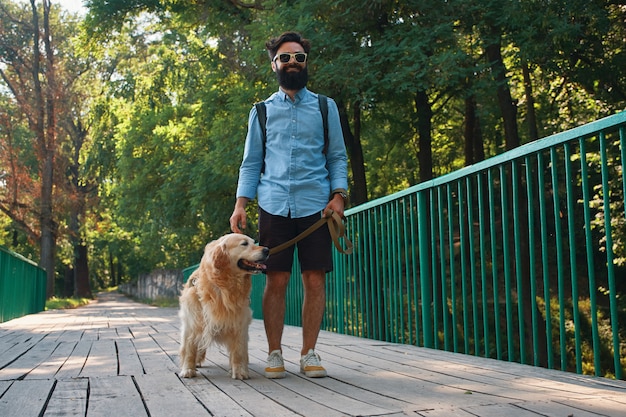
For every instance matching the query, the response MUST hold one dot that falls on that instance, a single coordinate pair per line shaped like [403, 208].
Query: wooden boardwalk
[116, 357]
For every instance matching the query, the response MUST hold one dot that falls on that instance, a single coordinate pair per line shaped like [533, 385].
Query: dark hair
[273, 44]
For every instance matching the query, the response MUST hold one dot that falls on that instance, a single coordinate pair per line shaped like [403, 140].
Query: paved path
[116, 357]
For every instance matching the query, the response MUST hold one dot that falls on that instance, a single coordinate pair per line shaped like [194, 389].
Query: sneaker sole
[318, 373]
[275, 374]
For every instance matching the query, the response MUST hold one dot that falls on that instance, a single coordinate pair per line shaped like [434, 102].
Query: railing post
[422, 224]
[610, 263]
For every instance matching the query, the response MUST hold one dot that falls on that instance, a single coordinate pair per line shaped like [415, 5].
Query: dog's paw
[240, 373]
[187, 373]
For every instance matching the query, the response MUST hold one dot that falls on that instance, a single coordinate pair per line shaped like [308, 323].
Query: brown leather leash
[335, 226]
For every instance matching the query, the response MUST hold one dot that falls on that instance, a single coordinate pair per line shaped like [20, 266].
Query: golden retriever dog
[215, 303]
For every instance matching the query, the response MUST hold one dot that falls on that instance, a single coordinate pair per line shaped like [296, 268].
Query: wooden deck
[116, 357]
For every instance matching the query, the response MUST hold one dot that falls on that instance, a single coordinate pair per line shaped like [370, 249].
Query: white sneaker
[311, 365]
[275, 365]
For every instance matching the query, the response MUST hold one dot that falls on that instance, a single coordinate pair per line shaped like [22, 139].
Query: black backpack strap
[262, 115]
[323, 102]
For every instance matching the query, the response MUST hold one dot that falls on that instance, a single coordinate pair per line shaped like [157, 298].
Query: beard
[292, 80]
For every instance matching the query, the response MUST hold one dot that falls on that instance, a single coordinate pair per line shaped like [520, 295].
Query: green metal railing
[22, 286]
[520, 258]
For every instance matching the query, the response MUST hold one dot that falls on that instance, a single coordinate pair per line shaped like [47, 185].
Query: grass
[62, 303]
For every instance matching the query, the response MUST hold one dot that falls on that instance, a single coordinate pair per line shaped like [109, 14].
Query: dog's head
[236, 251]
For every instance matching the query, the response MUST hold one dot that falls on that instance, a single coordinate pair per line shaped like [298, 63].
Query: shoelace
[275, 360]
[311, 359]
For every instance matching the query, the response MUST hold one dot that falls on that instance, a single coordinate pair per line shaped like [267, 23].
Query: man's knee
[314, 280]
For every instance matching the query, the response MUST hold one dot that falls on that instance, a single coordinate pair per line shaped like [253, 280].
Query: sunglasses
[286, 57]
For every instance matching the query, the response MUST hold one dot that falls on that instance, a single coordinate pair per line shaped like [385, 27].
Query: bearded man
[297, 176]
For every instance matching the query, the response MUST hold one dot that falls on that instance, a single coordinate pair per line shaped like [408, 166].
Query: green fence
[22, 286]
[519, 258]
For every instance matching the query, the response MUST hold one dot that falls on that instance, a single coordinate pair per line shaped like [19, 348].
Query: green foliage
[166, 86]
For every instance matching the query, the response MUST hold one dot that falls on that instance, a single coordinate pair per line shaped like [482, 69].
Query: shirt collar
[299, 95]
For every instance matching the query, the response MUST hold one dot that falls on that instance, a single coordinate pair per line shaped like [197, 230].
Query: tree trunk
[531, 116]
[48, 235]
[82, 288]
[358, 193]
[507, 106]
[44, 126]
[474, 149]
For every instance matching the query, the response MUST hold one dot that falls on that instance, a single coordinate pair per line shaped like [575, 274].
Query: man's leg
[274, 307]
[312, 308]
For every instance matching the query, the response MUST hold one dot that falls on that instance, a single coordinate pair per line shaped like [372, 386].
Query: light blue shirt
[298, 176]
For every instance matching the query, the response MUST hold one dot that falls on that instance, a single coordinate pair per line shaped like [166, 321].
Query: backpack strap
[323, 103]
[262, 115]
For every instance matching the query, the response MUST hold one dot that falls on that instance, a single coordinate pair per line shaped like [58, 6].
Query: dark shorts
[314, 251]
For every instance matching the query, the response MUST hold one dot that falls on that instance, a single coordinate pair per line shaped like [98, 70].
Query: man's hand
[238, 220]
[335, 204]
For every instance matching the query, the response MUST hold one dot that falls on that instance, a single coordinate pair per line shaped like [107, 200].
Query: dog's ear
[221, 260]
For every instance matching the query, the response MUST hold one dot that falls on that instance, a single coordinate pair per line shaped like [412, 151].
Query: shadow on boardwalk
[116, 357]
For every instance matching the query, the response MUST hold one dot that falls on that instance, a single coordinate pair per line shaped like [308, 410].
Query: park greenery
[122, 130]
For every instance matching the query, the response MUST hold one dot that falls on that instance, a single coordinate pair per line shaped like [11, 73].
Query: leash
[335, 226]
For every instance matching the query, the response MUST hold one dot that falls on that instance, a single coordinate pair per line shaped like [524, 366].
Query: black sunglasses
[286, 57]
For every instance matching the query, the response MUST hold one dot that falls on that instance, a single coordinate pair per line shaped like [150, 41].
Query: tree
[46, 133]
[30, 76]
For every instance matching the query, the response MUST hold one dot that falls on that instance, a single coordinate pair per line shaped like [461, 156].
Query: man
[295, 182]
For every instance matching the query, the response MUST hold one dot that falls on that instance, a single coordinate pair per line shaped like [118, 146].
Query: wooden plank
[431, 370]
[492, 369]
[32, 358]
[107, 334]
[475, 379]
[308, 398]
[22, 345]
[114, 396]
[69, 398]
[501, 378]
[9, 339]
[601, 406]
[25, 398]
[254, 402]
[4, 385]
[102, 360]
[140, 331]
[168, 345]
[552, 408]
[420, 393]
[158, 391]
[48, 368]
[444, 412]
[74, 364]
[213, 399]
[300, 394]
[124, 333]
[346, 398]
[70, 336]
[499, 410]
[129, 363]
[153, 358]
